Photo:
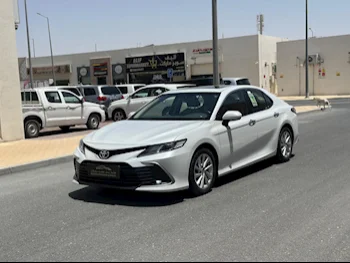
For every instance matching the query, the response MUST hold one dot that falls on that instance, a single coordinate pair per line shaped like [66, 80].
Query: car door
[138, 99]
[238, 140]
[265, 118]
[74, 108]
[55, 109]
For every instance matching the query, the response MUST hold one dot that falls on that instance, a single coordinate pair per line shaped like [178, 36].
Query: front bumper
[157, 173]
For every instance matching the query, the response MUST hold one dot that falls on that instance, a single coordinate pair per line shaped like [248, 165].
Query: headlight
[161, 148]
[82, 146]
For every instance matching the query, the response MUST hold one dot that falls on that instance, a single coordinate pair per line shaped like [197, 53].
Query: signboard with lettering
[64, 69]
[202, 51]
[100, 69]
[156, 63]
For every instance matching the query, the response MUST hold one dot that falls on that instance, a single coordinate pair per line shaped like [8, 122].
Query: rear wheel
[119, 115]
[93, 122]
[203, 172]
[285, 145]
[32, 129]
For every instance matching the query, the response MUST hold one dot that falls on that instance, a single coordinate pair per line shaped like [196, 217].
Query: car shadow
[143, 199]
[60, 132]
[128, 198]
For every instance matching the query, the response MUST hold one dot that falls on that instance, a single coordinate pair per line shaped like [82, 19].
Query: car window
[75, 91]
[137, 87]
[141, 94]
[269, 101]
[89, 92]
[227, 82]
[243, 82]
[123, 89]
[110, 90]
[256, 101]
[70, 98]
[235, 101]
[179, 106]
[30, 97]
[157, 91]
[53, 97]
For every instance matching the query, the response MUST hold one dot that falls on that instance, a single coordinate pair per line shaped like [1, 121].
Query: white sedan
[186, 139]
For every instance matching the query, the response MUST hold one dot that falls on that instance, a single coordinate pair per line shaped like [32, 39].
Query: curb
[35, 165]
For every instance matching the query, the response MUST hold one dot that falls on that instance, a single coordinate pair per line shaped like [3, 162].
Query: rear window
[89, 91]
[123, 89]
[227, 82]
[30, 97]
[110, 91]
[243, 82]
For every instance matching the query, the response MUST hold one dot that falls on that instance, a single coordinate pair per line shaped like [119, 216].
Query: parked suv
[128, 89]
[102, 95]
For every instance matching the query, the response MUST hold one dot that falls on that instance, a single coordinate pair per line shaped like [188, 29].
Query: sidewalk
[289, 98]
[44, 148]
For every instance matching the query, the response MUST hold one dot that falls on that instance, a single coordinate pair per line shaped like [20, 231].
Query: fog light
[158, 182]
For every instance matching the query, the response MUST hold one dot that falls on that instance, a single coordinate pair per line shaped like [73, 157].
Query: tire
[65, 128]
[93, 122]
[285, 145]
[197, 185]
[118, 115]
[32, 129]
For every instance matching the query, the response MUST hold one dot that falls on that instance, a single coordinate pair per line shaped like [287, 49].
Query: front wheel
[285, 145]
[93, 122]
[203, 172]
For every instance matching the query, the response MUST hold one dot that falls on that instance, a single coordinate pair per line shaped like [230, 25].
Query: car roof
[234, 79]
[213, 89]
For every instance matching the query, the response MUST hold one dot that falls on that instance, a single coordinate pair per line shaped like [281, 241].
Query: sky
[78, 25]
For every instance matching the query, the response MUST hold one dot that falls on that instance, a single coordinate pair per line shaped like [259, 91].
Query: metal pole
[312, 32]
[307, 94]
[28, 42]
[33, 47]
[215, 45]
[52, 62]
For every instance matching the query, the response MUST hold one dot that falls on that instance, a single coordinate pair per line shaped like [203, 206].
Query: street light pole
[28, 42]
[215, 45]
[307, 95]
[33, 47]
[312, 32]
[52, 62]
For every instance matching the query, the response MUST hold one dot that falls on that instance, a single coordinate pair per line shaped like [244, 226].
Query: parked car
[186, 139]
[120, 109]
[128, 89]
[52, 107]
[236, 81]
[102, 95]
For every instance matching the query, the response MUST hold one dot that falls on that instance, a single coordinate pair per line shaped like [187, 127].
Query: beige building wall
[11, 122]
[335, 54]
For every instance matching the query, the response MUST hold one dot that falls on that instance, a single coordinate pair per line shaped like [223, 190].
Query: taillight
[293, 110]
[101, 98]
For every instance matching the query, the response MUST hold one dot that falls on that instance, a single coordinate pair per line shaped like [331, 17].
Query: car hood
[125, 134]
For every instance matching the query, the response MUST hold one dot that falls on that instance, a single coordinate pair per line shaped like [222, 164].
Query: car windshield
[110, 91]
[179, 106]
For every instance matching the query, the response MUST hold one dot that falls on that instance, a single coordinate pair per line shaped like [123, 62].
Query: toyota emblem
[104, 154]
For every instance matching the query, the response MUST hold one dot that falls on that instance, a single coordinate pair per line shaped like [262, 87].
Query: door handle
[50, 108]
[252, 122]
[276, 115]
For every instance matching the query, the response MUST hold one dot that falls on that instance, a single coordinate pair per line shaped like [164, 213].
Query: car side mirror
[231, 116]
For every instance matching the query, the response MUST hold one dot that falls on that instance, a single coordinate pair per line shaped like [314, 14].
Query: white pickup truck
[53, 107]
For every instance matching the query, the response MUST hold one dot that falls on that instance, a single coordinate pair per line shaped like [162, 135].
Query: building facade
[249, 56]
[328, 62]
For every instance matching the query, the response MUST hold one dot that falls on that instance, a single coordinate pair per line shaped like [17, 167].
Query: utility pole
[215, 45]
[33, 47]
[28, 42]
[307, 95]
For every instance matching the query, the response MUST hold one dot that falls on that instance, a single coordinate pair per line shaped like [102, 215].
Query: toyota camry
[186, 139]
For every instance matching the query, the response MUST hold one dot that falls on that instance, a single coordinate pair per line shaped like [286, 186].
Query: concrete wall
[335, 53]
[238, 57]
[11, 122]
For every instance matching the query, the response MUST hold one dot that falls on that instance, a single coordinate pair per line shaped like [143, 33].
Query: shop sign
[64, 69]
[100, 69]
[202, 51]
[156, 63]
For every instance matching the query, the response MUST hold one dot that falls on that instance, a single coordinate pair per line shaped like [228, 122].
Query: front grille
[115, 152]
[129, 176]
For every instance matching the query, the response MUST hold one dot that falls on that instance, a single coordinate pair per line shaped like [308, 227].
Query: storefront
[44, 74]
[164, 68]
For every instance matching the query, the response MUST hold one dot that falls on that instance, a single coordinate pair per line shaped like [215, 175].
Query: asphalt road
[298, 211]
[334, 102]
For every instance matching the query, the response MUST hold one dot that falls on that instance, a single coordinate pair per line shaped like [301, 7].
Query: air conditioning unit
[313, 59]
